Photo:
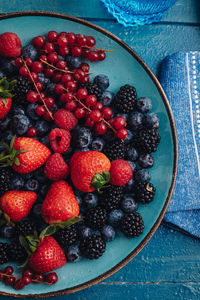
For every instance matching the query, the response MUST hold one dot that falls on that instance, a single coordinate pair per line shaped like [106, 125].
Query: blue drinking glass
[137, 12]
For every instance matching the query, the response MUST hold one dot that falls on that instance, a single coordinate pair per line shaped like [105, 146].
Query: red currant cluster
[28, 276]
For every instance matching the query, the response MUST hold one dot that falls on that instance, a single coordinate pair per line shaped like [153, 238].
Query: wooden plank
[185, 11]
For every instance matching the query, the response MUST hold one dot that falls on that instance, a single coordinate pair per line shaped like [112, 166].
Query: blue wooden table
[169, 266]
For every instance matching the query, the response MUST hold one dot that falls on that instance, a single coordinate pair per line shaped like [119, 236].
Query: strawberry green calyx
[99, 181]
[6, 89]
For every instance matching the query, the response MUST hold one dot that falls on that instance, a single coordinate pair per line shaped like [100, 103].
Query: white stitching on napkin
[191, 113]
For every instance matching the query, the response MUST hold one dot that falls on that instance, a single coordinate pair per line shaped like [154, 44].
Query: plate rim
[153, 229]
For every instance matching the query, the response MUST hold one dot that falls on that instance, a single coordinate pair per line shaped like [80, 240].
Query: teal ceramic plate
[122, 66]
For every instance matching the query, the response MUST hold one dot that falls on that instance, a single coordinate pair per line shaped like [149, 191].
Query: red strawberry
[120, 172]
[59, 140]
[65, 119]
[60, 203]
[26, 155]
[10, 44]
[48, 256]
[84, 166]
[56, 168]
[17, 204]
[5, 105]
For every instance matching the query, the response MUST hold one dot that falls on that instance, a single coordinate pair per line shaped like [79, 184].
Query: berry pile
[74, 158]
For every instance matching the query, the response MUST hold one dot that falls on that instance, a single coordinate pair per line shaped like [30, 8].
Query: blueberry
[108, 233]
[115, 217]
[20, 124]
[8, 232]
[144, 104]
[39, 174]
[8, 67]
[107, 98]
[102, 81]
[73, 62]
[135, 120]
[50, 89]
[29, 51]
[54, 108]
[82, 137]
[85, 232]
[130, 185]
[60, 57]
[2, 74]
[98, 144]
[90, 200]
[43, 79]
[79, 199]
[73, 253]
[8, 135]
[28, 176]
[36, 210]
[45, 141]
[19, 110]
[32, 185]
[17, 183]
[131, 153]
[44, 189]
[129, 139]
[42, 127]
[142, 175]
[128, 204]
[4, 124]
[30, 111]
[151, 120]
[146, 160]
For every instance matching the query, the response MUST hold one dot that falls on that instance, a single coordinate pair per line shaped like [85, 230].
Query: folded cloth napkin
[180, 78]
[137, 12]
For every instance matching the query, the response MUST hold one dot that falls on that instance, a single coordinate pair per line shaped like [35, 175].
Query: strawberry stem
[106, 50]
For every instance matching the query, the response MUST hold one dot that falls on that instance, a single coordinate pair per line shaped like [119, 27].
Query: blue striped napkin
[180, 78]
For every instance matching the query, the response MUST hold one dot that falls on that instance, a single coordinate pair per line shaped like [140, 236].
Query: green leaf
[13, 154]
[33, 241]
[5, 102]
[6, 85]
[106, 176]
[12, 142]
[16, 161]
[5, 95]
[69, 222]
[12, 84]
[2, 80]
[5, 146]
[24, 244]
[49, 230]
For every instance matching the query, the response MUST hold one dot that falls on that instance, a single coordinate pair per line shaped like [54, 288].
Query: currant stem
[17, 277]
[106, 50]
[37, 89]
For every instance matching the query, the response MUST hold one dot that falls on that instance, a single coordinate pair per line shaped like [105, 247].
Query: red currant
[49, 72]
[78, 74]
[68, 97]
[119, 123]
[90, 41]
[9, 281]
[23, 71]
[95, 115]
[101, 55]
[100, 127]
[85, 52]
[59, 89]
[37, 66]
[107, 113]
[89, 122]
[32, 131]
[84, 79]
[52, 36]
[40, 110]
[70, 85]
[64, 50]
[81, 94]
[49, 47]
[26, 280]
[71, 38]
[63, 33]
[62, 41]
[99, 105]
[8, 270]
[52, 58]
[81, 40]
[71, 106]
[76, 51]
[1, 276]
[19, 284]
[32, 96]
[122, 133]
[38, 41]
[38, 277]
[61, 64]
[18, 62]
[79, 113]
[92, 56]
[85, 67]
[39, 86]
[43, 57]
[28, 273]
[57, 76]
[49, 102]
[91, 100]
[66, 78]
[52, 278]
[33, 77]
[28, 61]
[47, 116]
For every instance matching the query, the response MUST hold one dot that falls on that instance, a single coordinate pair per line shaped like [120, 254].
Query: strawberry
[25, 155]
[10, 44]
[88, 168]
[56, 168]
[65, 119]
[17, 204]
[120, 172]
[5, 96]
[48, 256]
[60, 203]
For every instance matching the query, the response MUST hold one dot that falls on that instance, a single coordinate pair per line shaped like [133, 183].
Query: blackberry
[22, 87]
[4, 253]
[132, 224]
[16, 252]
[93, 246]
[25, 227]
[92, 89]
[67, 236]
[115, 150]
[96, 217]
[5, 180]
[144, 192]
[147, 140]
[125, 99]
[111, 197]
